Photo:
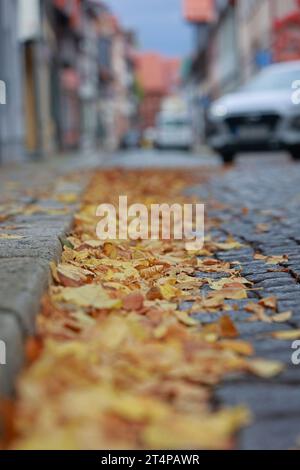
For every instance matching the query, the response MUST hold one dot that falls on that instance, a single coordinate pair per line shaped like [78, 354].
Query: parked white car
[262, 115]
[174, 131]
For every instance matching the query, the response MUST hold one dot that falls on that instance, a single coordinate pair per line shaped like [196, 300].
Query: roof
[156, 73]
[199, 11]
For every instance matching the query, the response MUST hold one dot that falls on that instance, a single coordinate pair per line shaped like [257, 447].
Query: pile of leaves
[117, 363]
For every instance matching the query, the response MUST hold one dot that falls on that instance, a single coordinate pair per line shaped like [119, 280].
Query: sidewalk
[37, 202]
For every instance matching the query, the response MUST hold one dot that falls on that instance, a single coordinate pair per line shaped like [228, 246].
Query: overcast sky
[159, 24]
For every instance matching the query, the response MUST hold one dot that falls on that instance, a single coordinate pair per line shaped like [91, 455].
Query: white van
[174, 131]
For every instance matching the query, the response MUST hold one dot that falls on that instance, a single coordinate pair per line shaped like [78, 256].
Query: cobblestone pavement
[262, 198]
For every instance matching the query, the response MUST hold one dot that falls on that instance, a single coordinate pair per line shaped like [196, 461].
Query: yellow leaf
[184, 318]
[240, 347]
[235, 293]
[282, 317]
[286, 335]
[264, 368]
[7, 236]
[262, 228]
[67, 198]
[202, 432]
[230, 245]
[90, 295]
[276, 259]
[168, 291]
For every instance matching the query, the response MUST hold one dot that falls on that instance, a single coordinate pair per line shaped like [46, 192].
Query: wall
[255, 19]
[11, 136]
[256, 36]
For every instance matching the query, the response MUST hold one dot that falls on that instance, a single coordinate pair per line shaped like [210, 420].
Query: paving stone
[283, 277]
[264, 401]
[255, 267]
[250, 329]
[22, 283]
[284, 305]
[272, 433]
[236, 316]
[47, 248]
[274, 349]
[290, 375]
[289, 296]
[283, 284]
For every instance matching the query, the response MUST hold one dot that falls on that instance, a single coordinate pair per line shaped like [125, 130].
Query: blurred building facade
[158, 77]
[11, 122]
[237, 38]
[69, 71]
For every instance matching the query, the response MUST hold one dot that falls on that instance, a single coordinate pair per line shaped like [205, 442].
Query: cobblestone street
[263, 201]
[262, 198]
[150, 230]
[256, 202]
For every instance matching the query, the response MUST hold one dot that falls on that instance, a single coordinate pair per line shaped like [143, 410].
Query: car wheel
[295, 152]
[228, 157]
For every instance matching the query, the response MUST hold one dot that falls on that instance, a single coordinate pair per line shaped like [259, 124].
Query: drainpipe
[37, 65]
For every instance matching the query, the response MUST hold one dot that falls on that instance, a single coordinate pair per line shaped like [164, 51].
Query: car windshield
[173, 122]
[273, 80]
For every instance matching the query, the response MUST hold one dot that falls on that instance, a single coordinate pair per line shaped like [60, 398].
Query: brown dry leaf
[210, 265]
[154, 293]
[110, 250]
[262, 228]
[269, 302]
[72, 276]
[227, 327]
[134, 301]
[271, 259]
[258, 310]
[33, 349]
[216, 298]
